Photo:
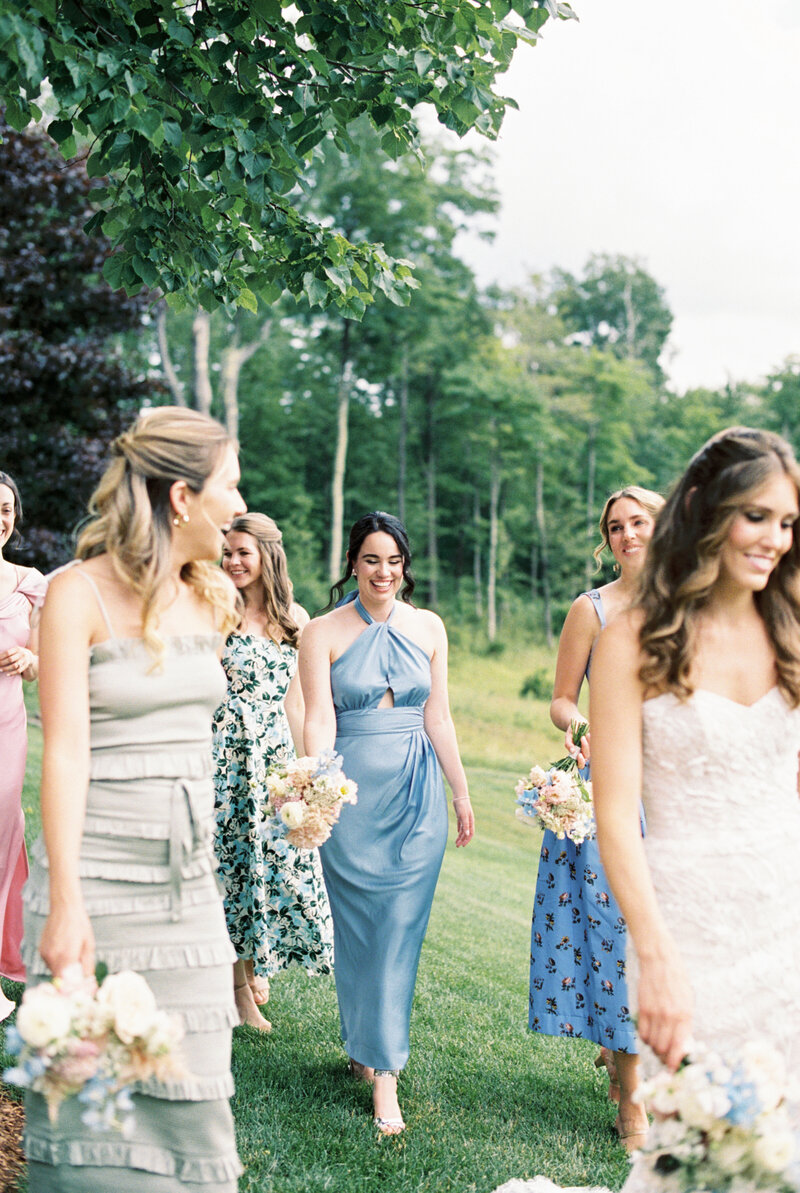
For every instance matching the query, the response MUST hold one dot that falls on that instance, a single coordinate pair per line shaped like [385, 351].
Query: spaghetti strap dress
[382, 860]
[148, 881]
[578, 981]
[15, 630]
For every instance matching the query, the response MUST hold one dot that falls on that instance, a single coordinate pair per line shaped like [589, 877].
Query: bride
[694, 706]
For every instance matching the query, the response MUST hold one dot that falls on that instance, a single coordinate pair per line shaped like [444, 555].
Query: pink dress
[15, 629]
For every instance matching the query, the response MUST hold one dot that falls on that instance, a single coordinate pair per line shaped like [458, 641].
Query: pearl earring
[176, 521]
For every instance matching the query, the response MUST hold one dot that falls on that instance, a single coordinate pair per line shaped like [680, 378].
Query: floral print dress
[275, 901]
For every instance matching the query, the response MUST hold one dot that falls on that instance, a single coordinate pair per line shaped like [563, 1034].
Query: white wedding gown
[723, 846]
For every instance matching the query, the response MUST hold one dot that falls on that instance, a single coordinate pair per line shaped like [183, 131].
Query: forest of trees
[493, 422]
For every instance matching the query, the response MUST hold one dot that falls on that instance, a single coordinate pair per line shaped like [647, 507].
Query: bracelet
[460, 799]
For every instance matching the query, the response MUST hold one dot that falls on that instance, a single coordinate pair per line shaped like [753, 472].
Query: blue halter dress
[382, 860]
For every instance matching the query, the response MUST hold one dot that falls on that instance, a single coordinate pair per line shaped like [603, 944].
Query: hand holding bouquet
[559, 798]
[75, 1036]
[305, 797]
[722, 1124]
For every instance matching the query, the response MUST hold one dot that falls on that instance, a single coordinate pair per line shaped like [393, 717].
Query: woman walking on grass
[374, 674]
[130, 678]
[577, 977]
[20, 589]
[276, 906]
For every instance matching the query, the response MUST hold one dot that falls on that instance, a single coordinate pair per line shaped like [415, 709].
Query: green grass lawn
[483, 1099]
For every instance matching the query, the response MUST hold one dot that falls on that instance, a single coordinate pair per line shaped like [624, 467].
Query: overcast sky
[668, 132]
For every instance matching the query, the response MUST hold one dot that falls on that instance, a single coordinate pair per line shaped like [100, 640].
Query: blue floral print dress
[276, 906]
[578, 942]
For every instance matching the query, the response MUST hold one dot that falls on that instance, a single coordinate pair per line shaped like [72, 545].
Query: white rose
[130, 1003]
[774, 1146]
[44, 1016]
[293, 814]
[732, 1152]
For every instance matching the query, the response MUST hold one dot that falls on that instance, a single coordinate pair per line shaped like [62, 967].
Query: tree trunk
[233, 357]
[402, 438]
[631, 322]
[340, 455]
[543, 553]
[175, 386]
[477, 562]
[201, 341]
[591, 468]
[491, 584]
[430, 476]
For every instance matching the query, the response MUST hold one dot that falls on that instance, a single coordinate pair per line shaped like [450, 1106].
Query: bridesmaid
[374, 674]
[577, 977]
[276, 906]
[124, 874]
[20, 589]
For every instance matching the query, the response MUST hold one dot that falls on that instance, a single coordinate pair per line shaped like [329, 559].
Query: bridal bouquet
[305, 797]
[558, 798]
[75, 1036]
[722, 1125]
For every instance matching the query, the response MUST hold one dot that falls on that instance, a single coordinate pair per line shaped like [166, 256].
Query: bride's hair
[683, 562]
[650, 501]
[275, 582]
[131, 514]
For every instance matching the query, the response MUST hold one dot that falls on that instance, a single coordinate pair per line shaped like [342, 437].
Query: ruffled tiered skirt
[148, 882]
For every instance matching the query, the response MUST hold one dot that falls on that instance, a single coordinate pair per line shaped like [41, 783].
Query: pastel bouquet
[722, 1125]
[76, 1035]
[559, 798]
[305, 797]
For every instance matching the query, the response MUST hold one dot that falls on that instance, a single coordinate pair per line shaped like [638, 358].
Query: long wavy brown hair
[131, 514]
[683, 562]
[275, 582]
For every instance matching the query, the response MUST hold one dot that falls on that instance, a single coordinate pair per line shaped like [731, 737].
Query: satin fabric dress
[15, 630]
[578, 984]
[383, 858]
[147, 874]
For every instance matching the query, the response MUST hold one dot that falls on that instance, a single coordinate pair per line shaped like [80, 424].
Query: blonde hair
[683, 563]
[648, 499]
[277, 587]
[131, 513]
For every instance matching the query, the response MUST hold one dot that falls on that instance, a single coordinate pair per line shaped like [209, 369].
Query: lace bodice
[723, 847]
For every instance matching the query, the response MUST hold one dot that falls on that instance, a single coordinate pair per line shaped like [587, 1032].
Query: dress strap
[99, 599]
[597, 601]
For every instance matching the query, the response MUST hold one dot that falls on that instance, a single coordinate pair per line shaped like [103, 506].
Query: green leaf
[422, 60]
[17, 114]
[247, 299]
[315, 289]
[180, 33]
[113, 269]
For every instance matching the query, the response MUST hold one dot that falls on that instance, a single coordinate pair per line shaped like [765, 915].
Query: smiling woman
[374, 674]
[130, 678]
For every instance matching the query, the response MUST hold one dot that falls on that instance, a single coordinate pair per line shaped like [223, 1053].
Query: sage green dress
[149, 886]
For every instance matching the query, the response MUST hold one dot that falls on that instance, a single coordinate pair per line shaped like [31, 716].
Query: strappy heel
[388, 1126]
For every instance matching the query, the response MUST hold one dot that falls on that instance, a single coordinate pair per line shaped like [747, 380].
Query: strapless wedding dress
[723, 846]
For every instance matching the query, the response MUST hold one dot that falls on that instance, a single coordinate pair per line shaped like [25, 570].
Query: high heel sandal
[259, 987]
[605, 1060]
[633, 1139]
[388, 1126]
[245, 1019]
